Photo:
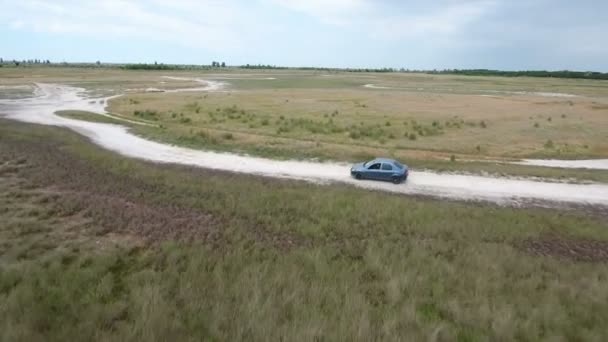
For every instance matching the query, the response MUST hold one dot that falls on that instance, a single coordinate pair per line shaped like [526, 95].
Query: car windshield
[369, 163]
[398, 164]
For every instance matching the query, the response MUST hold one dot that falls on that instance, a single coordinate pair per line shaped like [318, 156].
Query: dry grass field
[352, 115]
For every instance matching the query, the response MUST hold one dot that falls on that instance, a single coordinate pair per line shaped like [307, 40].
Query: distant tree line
[528, 73]
[467, 72]
[23, 62]
[162, 66]
[267, 66]
[145, 66]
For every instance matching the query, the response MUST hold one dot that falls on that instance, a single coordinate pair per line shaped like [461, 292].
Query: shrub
[452, 158]
[265, 122]
[478, 148]
[354, 135]
[549, 119]
[483, 124]
[536, 125]
[387, 124]
[282, 129]
[549, 144]
[146, 114]
[185, 120]
[227, 136]
[412, 136]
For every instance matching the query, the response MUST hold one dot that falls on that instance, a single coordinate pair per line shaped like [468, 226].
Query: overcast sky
[496, 34]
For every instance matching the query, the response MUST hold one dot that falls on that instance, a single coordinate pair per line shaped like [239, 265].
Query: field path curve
[50, 98]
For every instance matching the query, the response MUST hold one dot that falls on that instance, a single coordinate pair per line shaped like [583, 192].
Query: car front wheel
[358, 176]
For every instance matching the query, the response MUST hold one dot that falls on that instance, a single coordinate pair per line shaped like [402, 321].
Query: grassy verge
[286, 148]
[92, 117]
[99, 247]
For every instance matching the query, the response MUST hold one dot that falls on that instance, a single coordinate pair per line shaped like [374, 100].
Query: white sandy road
[597, 164]
[117, 138]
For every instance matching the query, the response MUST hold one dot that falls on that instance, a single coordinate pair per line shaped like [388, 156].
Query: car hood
[358, 167]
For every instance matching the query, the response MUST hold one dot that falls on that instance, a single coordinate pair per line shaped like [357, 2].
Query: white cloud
[16, 24]
[336, 12]
[394, 21]
[443, 21]
[208, 24]
[229, 25]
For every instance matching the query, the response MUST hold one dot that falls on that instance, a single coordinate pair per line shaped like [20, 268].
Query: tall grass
[293, 261]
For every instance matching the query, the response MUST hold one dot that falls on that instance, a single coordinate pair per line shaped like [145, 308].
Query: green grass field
[95, 246]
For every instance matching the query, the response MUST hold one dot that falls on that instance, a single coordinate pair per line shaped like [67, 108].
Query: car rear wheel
[396, 180]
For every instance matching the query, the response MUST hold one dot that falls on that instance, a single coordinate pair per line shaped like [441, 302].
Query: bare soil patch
[567, 248]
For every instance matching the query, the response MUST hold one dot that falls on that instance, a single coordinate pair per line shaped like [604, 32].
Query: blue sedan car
[380, 169]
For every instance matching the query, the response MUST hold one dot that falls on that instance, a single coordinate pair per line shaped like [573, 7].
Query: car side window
[387, 167]
[375, 167]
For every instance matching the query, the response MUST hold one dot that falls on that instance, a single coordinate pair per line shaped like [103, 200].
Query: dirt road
[51, 98]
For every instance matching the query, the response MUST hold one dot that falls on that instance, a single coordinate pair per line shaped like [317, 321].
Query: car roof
[384, 160]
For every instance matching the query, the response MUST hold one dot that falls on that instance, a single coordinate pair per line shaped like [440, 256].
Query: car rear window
[399, 165]
[386, 166]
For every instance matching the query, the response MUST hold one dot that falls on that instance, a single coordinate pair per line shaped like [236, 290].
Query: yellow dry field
[400, 114]
[506, 125]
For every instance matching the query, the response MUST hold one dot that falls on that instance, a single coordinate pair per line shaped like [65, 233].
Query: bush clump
[146, 114]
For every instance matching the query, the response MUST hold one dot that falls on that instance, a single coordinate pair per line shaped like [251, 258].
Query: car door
[386, 171]
[374, 171]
